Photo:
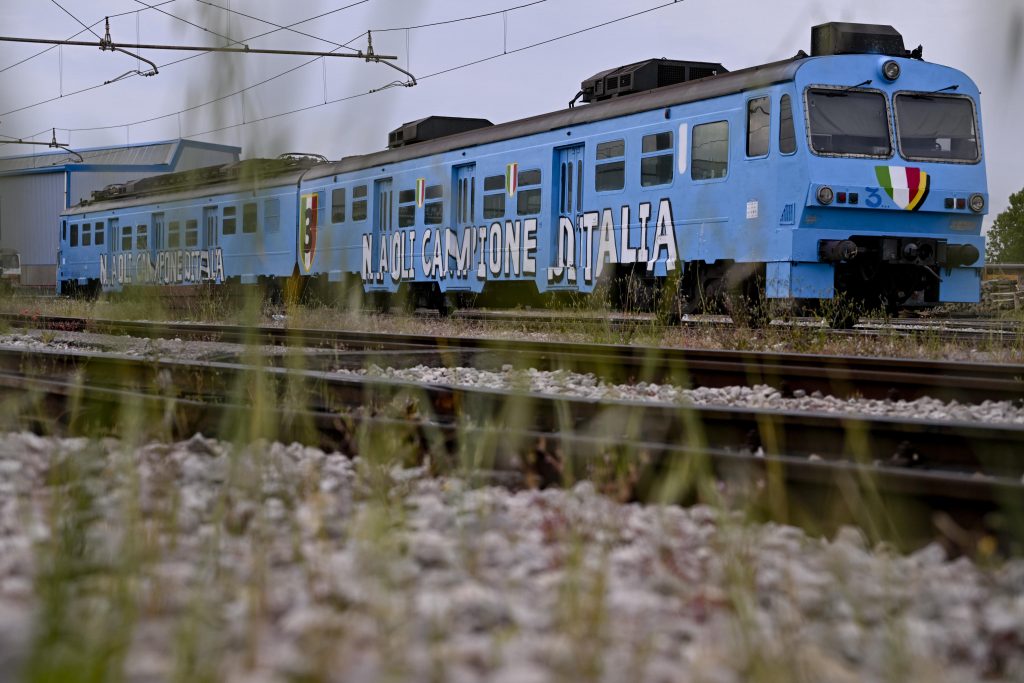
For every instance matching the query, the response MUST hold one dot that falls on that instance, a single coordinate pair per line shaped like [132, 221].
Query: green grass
[94, 582]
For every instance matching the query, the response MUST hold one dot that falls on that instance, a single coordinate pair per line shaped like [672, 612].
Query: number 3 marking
[874, 200]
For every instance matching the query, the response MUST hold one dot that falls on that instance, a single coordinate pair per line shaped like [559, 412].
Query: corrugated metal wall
[29, 208]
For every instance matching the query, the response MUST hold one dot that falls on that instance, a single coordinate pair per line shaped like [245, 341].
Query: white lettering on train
[171, 267]
[508, 248]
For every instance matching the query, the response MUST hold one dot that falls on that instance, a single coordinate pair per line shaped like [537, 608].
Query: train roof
[667, 96]
[240, 176]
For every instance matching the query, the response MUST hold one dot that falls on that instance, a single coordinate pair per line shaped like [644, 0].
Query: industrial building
[35, 188]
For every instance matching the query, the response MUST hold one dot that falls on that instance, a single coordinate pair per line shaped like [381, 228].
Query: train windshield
[936, 127]
[849, 123]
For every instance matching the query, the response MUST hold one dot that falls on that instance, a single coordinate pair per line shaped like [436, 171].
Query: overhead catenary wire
[166, 64]
[87, 28]
[234, 93]
[460, 19]
[270, 23]
[439, 73]
[75, 35]
[361, 94]
[190, 23]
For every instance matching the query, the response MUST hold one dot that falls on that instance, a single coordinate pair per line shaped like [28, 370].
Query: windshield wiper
[842, 93]
[924, 95]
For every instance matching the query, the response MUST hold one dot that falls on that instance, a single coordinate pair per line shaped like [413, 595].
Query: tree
[1005, 241]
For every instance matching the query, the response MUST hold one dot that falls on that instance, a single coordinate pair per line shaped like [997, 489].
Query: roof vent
[643, 76]
[431, 128]
[840, 38]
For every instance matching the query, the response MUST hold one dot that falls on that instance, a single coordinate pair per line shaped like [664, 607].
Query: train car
[206, 226]
[856, 171]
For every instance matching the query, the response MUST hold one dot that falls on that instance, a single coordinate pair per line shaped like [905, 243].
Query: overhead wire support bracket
[52, 144]
[371, 56]
[106, 44]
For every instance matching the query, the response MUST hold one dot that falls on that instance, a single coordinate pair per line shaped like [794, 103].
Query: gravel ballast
[566, 383]
[202, 561]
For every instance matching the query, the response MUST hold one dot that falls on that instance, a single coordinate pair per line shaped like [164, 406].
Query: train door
[383, 221]
[159, 240]
[463, 216]
[209, 227]
[567, 213]
[112, 239]
[210, 236]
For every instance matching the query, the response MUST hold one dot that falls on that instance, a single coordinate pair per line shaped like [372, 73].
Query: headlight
[977, 203]
[825, 195]
[891, 70]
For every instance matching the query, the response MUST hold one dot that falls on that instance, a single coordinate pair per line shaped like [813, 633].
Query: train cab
[892, 193]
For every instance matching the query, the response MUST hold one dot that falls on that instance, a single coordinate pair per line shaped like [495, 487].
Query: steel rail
[842, 376]
[544, 458]
[925, 444]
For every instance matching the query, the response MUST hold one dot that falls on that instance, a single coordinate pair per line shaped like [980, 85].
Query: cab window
[758, 126]
[848, 123]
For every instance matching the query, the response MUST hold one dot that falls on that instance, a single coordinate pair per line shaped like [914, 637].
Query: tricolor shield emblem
[511, 178]
[421, 187]
[905, 185]
[308, 210]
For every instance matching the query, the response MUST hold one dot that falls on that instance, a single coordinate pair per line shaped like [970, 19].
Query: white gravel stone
[294, 563]
[565, 383]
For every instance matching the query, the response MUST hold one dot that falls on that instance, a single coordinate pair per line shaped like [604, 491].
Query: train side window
[433, 211]
[494, 182]
[126, 238]
[656, 160]
[759, 120]
[86, 235]
[191, 232]
[142, 237]
[173, 234]
[249, 217]
[272, 214]
[98, 239]
[64, 231]
[528, 198]
[338, 205]
[359, 203]
[74, 235]
[494, 196]
[709, 151]
[787, 133]
[227, 223]
[610, 172]
[406, 208]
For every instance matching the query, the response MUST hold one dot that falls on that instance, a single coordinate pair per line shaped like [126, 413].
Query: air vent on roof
[839, 38]
[431, 128]
[642, 76]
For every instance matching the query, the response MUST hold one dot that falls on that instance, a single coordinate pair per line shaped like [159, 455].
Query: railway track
[971, 470]
[842, 376]
[960, 330]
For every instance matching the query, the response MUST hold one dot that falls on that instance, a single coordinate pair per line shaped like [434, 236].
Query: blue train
[855, 171]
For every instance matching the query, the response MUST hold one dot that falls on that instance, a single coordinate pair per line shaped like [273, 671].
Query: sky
[513, 71]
